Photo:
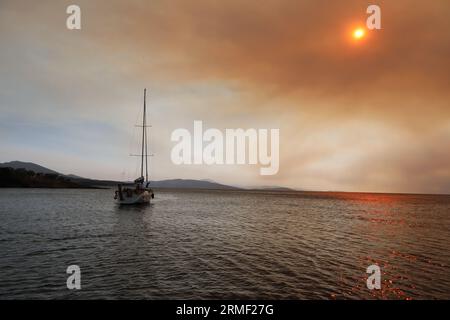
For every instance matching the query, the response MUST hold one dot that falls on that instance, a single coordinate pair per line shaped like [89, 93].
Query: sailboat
[138, 192]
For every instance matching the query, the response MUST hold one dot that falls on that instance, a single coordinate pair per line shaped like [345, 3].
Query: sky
[366, 115]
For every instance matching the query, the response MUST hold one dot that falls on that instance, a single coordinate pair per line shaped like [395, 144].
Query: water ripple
[231, 245]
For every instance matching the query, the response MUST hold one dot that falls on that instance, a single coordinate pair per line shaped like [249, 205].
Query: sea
[200, 244]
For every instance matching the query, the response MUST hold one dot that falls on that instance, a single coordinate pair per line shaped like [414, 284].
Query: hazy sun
[359, 33]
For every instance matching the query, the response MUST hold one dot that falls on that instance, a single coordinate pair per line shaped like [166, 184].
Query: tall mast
[143, 138]
[146, 143]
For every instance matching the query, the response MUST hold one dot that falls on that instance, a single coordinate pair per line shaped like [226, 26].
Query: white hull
[141, 198]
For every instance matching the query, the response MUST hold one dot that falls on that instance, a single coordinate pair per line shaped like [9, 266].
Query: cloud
[352, 115]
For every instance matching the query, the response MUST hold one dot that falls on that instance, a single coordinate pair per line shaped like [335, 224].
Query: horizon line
[248, 188]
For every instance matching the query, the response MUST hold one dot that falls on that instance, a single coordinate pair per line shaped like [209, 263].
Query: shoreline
[242, 190]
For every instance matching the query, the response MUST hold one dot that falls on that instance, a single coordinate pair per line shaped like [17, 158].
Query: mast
[146, 143]
[143, 137]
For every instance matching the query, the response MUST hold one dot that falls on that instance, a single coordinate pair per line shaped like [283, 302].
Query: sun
[359, 33]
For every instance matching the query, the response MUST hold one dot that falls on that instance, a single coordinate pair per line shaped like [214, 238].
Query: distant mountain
[274, 188]
[80, 181]
[23, 178]
[73, 176]
[190, 184]
[18, 179]
[27, 166]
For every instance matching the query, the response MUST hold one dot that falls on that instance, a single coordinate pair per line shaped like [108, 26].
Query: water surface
[223, 245]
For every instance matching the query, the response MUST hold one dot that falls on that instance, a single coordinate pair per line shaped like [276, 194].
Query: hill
[28, 174]
[190, 184]
[27, 166]
[22, 178]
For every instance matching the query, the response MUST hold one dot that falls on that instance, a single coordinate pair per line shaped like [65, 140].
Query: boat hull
[141, 198]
